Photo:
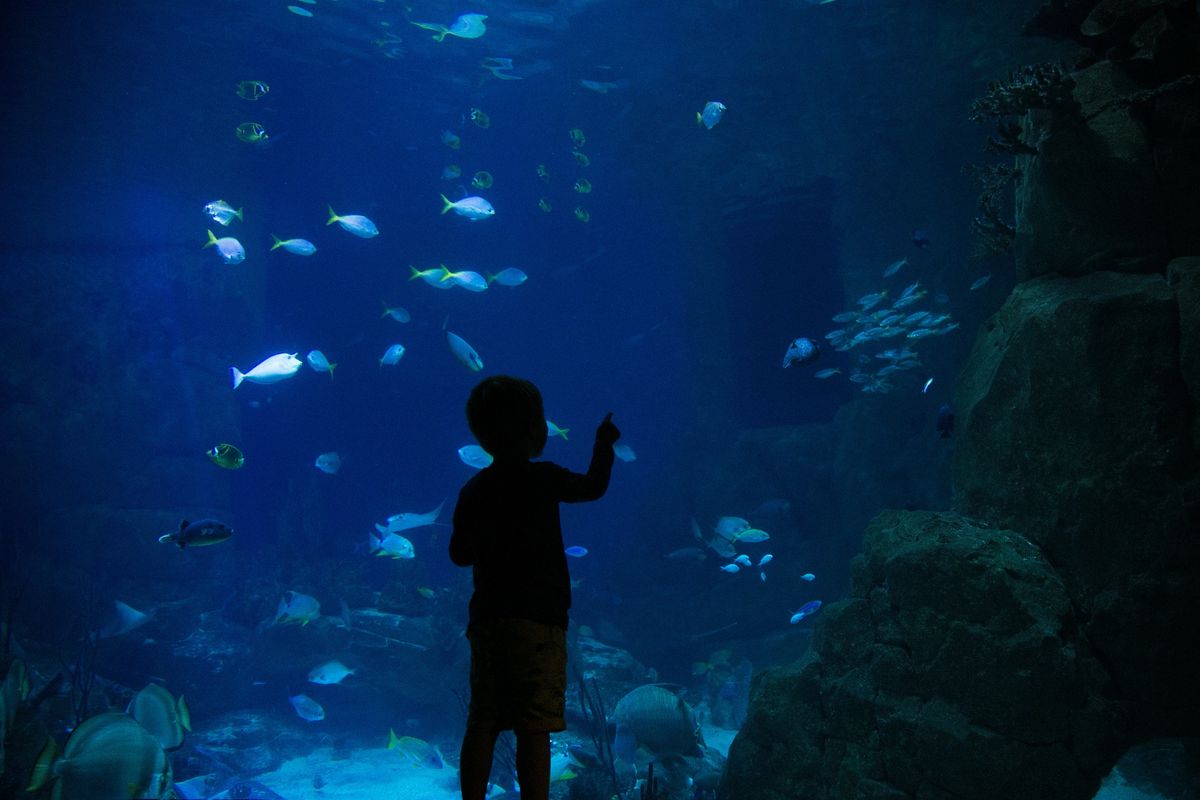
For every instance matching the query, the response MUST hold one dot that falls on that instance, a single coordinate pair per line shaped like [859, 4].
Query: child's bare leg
[475, 761]
[533, 765]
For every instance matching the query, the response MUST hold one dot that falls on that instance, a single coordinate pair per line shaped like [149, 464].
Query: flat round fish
[111, 755]
[660, 721]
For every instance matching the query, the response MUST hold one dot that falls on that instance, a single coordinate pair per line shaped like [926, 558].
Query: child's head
[507, 418]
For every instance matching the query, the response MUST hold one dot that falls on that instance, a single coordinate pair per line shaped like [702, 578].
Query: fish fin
[332, 367]
[238, 377]
[278, 242]
[183, 524]
[185, 715]
[393, 739]
[490, 277]
[211, 240]
[166, 537]
[563, 433]
[448, 205]
[43, 769]
[699, 119]
[333, 217]
[446, 273]
[238, 214]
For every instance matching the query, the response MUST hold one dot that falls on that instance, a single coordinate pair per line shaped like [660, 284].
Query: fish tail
[238, 214]
[447, 204]
[393, 739]
[238, 377]
[43, 770]
[416, 273]
[446, 273]
[333, 217]
[699, 119]
[278, 242]
[166, 537]
[331, 369]
[490, 278]
[211, 239]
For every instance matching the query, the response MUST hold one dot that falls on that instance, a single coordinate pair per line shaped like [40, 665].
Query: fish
[910, 290]
[229, 248]
[398, 313]
[582, 214]
[576, 551]
[409, 520]
[474, 456]
[826, 373]
[481, 119]
[420, 752]
[508, 277]
[252, 90]
[577, 137]
[482, 180]
[471, 281]
[431, 276]
[925, 388]
[354, 223]
[393, 545]
[329, 463]
[944, 421]
[869, 301]
[742, 560]
[392, 355]
[466, 26]
[806, 610]
[222, 213]
[808, 576]
[711, 115]
[543, 173]
[164, 717]
[300, 247]
[846, 316]
[451, 172]
[920, 238]
[766, 559]
[251, 133]
[226, 456]
[108, 755]
[125, 619]
[473, 208]
[583, 186]
[554, 430]
[297, 607]
[306, 708]
[451, 140]
[581, 158]
[329, 673]
[980, 282]
[730, 568]
[560, 767]
[545, 205]
[801, 351]
[463, 351]
[624, 452]
[729, 527]
[920, 333]
[274, 369]
[751, 535]
[603, 87]
[656, 719]
[895, 267]
[686, 554]
[300, 12]
[319, 363]
[426, 592]
[905, 302]
[200, 533]
[914, 318]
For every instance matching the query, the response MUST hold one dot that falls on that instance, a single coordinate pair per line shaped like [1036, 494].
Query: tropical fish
[125, 619]
[300, 12]
[603, 87]
[472, 208]
[730, 527]
[319, 363]
[920, 333]
[751, 535]
[624, 452]
[719, 544]
[471, 281]
[895, 267]
[252, 90]
[508, 277]
[230, 249]
[397, 313]
[475, 456]
[545, 205]
[743, 560]
[806, 610]
[581, 158]
[451, 140]
[161, 714]
[826, 373]
[711, 115]
[730, 568]
[251, 133]
[869, 301]
[582, 214]
[577, 137]
[221, 212]
[466, 26]
[354, 223]
[658, 720]
[329, 463]
[801, 351]
[576, 551]
[197, 534]
[300, 247]
[925, 388]
[393, 545]
[431, 276]
[329, 673]
[108, 755]
[808, 576]
[465, 354]
[766, 559]
[480, 118]
[420, 752]
[410, 519]
[392, 355]
[426, 592]
[560, 767]
[307, 709]
[278, 367]
[554, 430]
[583, 186]
[226, 456]
[451, 172]
[296, 607]
[543, 173]
[482, 179]
[980, 282]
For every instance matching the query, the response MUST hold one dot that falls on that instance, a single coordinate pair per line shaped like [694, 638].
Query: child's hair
[507, 418]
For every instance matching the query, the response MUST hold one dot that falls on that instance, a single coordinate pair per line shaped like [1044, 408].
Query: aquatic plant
[1032, 86]
[596, 721]
[650, 785]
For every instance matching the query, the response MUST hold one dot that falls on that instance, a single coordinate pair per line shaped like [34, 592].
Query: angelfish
[711, 115]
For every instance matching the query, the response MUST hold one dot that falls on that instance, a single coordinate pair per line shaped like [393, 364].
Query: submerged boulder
[955, 670]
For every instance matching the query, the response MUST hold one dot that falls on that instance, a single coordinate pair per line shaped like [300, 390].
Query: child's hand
[607, 433]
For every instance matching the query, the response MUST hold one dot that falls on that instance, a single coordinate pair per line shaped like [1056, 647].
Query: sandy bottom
[379, 774]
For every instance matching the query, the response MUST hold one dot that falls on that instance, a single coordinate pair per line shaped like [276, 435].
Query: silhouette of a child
[506, 528]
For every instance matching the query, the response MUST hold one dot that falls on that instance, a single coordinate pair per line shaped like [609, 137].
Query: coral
[1032, 86]
[994, 234]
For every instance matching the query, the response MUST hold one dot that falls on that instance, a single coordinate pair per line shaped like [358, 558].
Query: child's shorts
[518, 675]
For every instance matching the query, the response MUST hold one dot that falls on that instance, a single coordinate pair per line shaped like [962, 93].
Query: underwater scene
[886, 315]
